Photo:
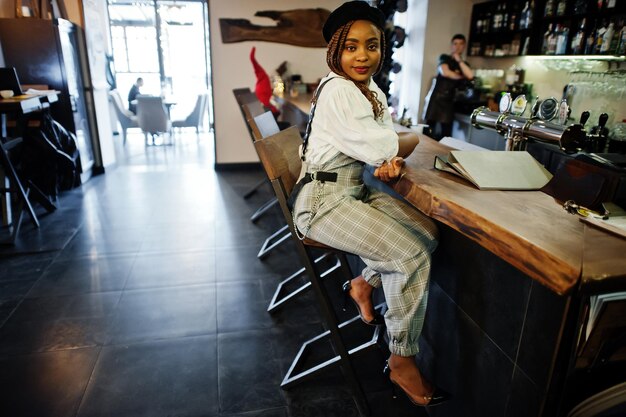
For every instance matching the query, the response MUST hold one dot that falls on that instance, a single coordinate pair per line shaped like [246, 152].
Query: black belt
[319, 176]
[308, 177]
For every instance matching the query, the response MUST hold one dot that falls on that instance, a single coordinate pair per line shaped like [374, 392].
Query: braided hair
[333, 59]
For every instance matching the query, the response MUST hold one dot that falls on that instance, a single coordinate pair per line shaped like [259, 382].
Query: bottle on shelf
[599, 38]
[601, 4]
[552, 40]
[621, 43]
[487, 22]
[478, 25]
[613, 48]
[549, 10]
[504, 22]
[515, 45]
[580, 6]
[578, 40]
[590, 42]
[525, 47]
[475, 49]
[561, 40]
[561, 6]
[513, 18]
[497, 19]
[546, 40]
[531, 15]
[523, 19]
[607, 39]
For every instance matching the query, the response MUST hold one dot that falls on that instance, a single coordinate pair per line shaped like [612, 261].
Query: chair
[280, 158]
[261, 125]
[126, 118]
[194, 119]
[152, 116]
[245, 96]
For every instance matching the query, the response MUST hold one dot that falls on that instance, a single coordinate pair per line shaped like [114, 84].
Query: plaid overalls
[394, 240]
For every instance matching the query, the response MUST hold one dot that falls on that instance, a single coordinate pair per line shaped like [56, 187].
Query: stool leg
[332, 323]
[22, 195]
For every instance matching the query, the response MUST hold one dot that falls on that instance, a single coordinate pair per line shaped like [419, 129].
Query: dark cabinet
[52, 52]
[548, 27]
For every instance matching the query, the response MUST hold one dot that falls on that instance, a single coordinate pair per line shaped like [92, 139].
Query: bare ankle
[400, 362]
[361, 285]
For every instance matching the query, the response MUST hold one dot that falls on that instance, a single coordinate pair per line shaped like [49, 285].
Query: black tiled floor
[176, 376]
[143, 296]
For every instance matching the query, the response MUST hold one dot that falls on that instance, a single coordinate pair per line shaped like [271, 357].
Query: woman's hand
[389, 170]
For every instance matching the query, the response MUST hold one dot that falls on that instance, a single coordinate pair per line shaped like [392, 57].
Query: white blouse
[344, 123]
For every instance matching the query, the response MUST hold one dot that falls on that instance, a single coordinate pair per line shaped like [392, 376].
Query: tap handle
[584, 117]
[603, 119]
[535, 108]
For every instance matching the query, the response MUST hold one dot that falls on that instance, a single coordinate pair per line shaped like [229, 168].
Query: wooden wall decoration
[300, 27]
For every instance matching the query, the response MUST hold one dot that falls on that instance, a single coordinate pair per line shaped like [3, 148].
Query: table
[168, 103]
[20, 105]
[295, 110]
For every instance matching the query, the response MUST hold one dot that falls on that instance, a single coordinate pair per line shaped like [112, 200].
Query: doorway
[165, 42]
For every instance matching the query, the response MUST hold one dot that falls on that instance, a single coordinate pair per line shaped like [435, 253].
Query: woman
[351, 126]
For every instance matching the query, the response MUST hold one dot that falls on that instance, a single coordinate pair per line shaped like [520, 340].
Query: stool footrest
[292, 378]
[278, 300]
[282, 234]
[265, 207]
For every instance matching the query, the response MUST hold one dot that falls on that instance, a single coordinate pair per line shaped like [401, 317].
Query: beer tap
[539, 127]
[584, 117]
[534, 111]
[598, 135]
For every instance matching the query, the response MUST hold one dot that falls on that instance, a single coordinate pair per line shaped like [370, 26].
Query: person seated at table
[351, 126]
[133, 93]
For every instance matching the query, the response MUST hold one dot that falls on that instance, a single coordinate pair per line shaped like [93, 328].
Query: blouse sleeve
[350, 126]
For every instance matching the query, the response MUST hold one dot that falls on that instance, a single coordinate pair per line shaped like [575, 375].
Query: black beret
[352, 10]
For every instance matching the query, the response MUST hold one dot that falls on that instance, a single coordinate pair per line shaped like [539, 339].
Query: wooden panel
[300, 27]
[528, 229]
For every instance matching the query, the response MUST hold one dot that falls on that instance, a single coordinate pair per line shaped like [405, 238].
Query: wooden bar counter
[528, 229]
[507, 295]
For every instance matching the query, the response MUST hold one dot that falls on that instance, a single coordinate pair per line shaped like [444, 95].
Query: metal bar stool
[279, 155]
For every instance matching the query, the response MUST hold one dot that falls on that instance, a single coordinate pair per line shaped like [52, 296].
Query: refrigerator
[53, 52]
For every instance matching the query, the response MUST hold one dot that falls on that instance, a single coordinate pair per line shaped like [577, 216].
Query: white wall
[232, 69]
[96, 26]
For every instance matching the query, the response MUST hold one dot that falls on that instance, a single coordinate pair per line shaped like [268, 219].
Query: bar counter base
[492, 334]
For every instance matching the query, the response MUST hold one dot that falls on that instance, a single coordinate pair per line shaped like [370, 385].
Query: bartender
[452, 72]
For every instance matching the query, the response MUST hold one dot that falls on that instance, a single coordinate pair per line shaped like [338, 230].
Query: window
[165, 43]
